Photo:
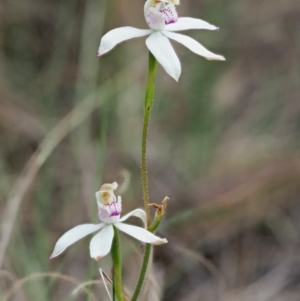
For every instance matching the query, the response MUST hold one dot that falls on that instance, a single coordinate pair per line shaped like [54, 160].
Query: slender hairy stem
[147, 112]
[143, 271]
[117, 267]
[152, 66]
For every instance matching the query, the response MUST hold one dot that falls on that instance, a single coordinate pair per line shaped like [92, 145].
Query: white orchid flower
[163, 20]
[109, 211]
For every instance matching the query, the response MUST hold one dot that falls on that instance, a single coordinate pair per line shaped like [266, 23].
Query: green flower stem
[152, 67]
[117, 267]
[147, 112]
[143, 272]
[146, 258]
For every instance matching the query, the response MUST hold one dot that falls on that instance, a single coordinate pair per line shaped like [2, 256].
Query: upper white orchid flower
[109, 210]
[163, 20]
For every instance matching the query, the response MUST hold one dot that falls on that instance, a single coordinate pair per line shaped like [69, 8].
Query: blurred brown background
[223, 145]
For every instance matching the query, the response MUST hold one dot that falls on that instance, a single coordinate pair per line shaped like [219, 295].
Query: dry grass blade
[83, 285]
[267, 287]
[21, 282]
[104, 282]
[198, 257]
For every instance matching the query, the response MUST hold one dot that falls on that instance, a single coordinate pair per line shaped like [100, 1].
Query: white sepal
[74, 235]
[193, 45]
[186, 23]
[138, 213]
[101, 243]
[141, 234]
[118, 35]
[163, 51]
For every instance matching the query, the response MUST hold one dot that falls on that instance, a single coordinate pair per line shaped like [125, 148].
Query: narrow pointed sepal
[163, 51]
[140, 234]
[72, 236]
[186, 23]
[137, 213]
[101, 243]
[118, 35]
[193, 45]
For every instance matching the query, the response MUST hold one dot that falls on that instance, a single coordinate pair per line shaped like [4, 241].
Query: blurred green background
[223, 146]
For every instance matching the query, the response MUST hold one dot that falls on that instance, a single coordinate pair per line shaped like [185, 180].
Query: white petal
[141, 234]
[153, 3]
[185, 23]
[163, 51]
[154, 19]
[118, 35]
[138, 213]
[193, 46]
[101, 243]
[74, 235]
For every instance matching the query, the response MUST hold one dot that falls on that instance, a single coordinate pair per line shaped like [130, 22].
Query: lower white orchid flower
[163, 20]
[109, 210]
